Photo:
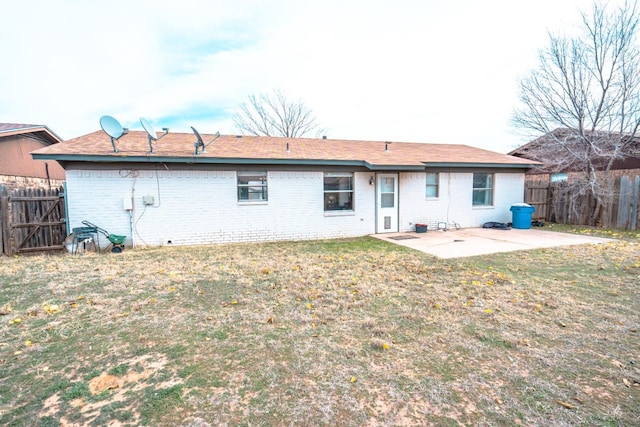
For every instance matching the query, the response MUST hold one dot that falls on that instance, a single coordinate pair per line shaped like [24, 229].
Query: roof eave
[194, 160]
[52, 133]
[248, 161]
[32, 129]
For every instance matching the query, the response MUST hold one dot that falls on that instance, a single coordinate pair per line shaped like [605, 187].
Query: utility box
[127, 203]
[147, 200]
[521, 215]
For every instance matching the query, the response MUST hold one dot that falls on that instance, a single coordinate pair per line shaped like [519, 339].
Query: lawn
[344, 332]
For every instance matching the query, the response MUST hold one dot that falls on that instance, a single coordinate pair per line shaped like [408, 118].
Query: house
[252, 188]
[561, 156]
[17, 168]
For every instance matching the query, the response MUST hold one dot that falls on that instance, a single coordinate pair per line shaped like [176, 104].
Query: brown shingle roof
[7, 127]
[561, 150]
[178, 147]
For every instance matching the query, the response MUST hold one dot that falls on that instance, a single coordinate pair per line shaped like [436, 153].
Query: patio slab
[482, 241]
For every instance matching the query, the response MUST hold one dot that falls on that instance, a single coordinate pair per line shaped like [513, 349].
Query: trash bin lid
[522, 208]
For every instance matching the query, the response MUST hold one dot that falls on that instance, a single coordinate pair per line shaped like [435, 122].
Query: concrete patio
[481, 241]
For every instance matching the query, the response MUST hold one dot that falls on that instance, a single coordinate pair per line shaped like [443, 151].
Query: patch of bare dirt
[104, 382]
[118, 386]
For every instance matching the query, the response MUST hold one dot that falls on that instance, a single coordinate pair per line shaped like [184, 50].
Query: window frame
[263, 187]
[485, 190]
[386, 191]
[350, 190]
[435, 185]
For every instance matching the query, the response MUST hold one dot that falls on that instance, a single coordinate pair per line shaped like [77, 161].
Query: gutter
[218, 160]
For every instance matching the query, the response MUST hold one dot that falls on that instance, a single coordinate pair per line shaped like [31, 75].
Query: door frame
[392, 215]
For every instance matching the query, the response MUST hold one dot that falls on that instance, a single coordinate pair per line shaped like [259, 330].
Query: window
[482, 189]
[559, 177]
[252, 186]
[433, 181]
[338, 191]
[387, 192]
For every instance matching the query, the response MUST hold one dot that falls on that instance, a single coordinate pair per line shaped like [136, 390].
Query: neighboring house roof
[232, 149]
[39, 132]
[552, 147]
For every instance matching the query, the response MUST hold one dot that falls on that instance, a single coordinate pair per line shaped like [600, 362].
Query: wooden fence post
[624, 202]
[4, 221]
[634, 208]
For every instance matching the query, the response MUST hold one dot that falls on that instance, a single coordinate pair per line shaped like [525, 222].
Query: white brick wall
[454, 204]
[197, 207]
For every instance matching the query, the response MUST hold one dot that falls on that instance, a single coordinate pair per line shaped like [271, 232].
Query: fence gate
[32, 220]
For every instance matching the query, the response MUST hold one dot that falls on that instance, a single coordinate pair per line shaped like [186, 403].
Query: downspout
[132, 215]
[46, 170]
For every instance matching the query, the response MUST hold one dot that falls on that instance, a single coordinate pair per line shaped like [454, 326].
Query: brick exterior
[201, 207]
[454, 202]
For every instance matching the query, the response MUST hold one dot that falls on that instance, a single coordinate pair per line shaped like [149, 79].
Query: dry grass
[349, 332]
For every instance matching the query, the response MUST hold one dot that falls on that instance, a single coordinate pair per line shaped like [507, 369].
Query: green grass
[76, 391]
[119, 370]
[159, 402]
[342, 332]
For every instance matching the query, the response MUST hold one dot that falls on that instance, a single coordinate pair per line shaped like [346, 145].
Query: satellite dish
[200, 143]
[151, 132]
[149, 129]
[113, 128]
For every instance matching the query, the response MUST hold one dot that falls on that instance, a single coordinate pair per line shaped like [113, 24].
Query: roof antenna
[386, 145]
[200, 143]
[112, 127]
[151, 133]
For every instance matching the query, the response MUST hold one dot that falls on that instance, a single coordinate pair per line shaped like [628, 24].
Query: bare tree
[587, 86]
[275, 115]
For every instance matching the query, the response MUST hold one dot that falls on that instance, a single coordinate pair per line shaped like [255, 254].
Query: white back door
[387, 203]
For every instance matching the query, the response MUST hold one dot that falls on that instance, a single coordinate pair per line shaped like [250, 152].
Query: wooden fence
[32, 220]
[557, 202]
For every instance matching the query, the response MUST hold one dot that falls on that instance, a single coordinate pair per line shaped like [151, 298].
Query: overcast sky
[440, 71]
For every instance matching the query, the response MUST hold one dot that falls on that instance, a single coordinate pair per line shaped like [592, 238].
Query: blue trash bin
[521, 215]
